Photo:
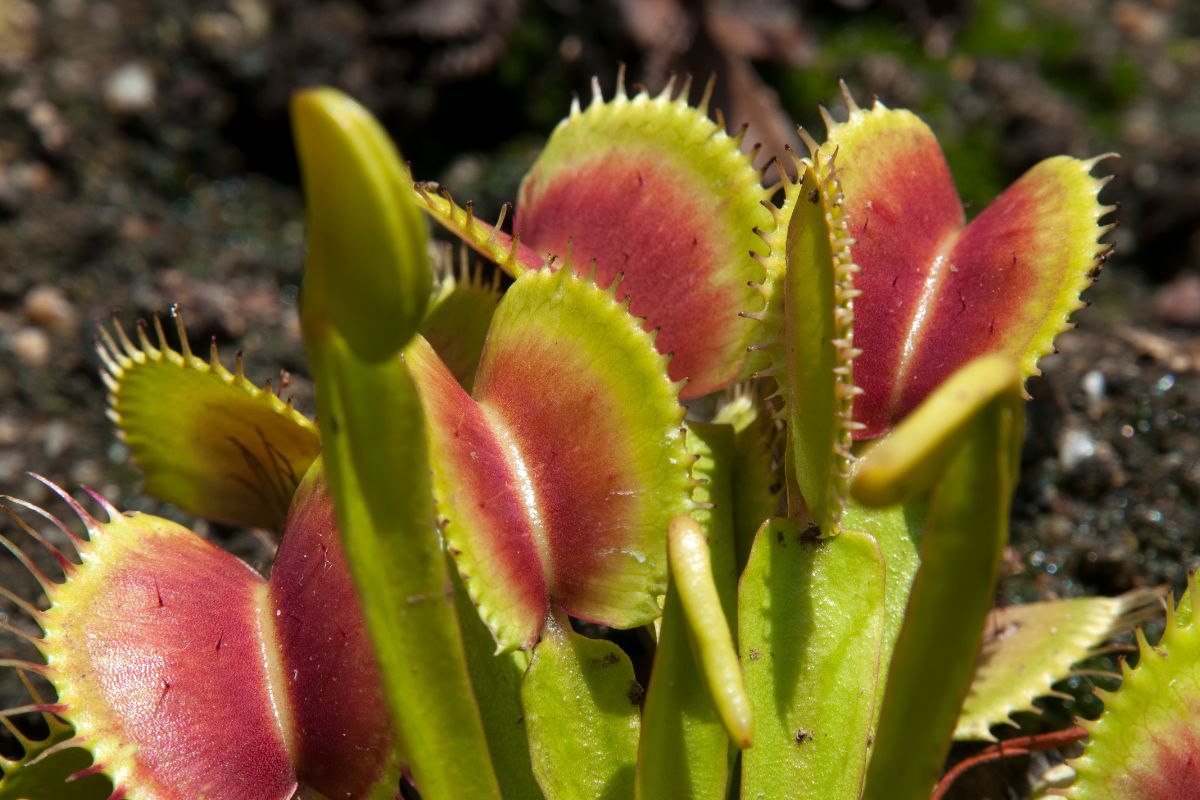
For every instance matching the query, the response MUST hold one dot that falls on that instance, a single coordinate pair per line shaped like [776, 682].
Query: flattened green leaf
[1028, 648]
[683, 751]
[490, 241]
[367, 271]
[810, 630]
[814, 367]
[968, 430]
[897, 532]
[1145, 744]
[581, 711]
[207, 439]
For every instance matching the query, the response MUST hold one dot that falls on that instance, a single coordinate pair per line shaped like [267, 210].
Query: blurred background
[145, 160]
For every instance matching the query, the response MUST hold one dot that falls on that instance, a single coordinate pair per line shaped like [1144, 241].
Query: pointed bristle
[741, 133]
[86, 772]
[58, 747]
[685, 91]
[23, 558]
[143, 339]
[110, 343]
[33, 611]
[87, 519]
[109, 509]
[668, 91]
[849, 98]
[160, 335]
[111, 368]
[827, 119]
[27, 666]
[185, 349]
[504, 211]
[33, 708]
[810, 144]
[706, 98]
[1091, 163]
[127, 346]
[46, 515]
[13, 630]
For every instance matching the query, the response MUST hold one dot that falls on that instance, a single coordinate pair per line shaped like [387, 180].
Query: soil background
[146, 161]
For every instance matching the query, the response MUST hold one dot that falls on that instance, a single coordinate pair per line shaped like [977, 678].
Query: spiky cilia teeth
[247, 448]
[1028, 648]
[1146, 741]
[558, 478]
[490, 241]
[938, 292]
[161, 647]
[47, 763]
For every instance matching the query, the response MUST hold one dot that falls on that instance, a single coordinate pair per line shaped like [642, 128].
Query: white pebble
[1094, 386]
[31, 347]
[130, 89]
[1074, 447]
[48, 307]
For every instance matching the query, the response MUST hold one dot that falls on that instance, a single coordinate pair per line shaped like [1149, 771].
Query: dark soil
[145, 160]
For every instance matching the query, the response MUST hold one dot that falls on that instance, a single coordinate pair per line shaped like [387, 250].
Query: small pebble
[31, 347]
[20, 181]
[1094, 387]
[130, 89]
[48, 307]
[86, 472]
[57, 437]
[10, 430]
[52, 131]
[11, 464]
[1074, 447]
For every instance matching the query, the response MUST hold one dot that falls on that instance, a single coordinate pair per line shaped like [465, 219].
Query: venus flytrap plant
[486, 467]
